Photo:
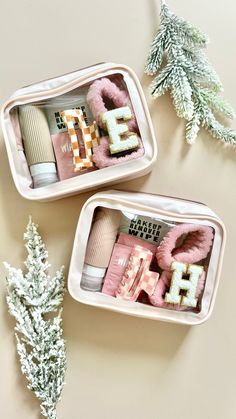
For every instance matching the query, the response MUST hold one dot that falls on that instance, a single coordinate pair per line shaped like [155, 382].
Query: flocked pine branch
[31, 297]
[177, 59]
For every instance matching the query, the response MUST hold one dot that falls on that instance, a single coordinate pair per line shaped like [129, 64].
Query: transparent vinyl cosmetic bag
[39, 107]
[146, 255]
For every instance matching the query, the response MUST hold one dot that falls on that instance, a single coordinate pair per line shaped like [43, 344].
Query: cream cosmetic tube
[37, 145]
[99, 249]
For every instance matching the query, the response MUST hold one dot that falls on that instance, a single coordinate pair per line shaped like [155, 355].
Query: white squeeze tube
[37, 145]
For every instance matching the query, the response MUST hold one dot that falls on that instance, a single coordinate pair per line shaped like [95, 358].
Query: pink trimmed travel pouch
[92, 90]
[166, 260]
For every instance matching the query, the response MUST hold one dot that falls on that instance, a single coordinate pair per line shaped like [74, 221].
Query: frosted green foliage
[181, 92]
[181, 67]
[34, 299]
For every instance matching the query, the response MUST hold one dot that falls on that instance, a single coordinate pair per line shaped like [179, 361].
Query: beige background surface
[118, 366]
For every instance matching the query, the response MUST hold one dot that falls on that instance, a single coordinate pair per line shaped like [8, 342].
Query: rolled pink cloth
[102, 157]
[194, 248]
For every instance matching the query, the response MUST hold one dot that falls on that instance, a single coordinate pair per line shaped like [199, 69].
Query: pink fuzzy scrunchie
[102, 157]
[195, 247]
[103, 89]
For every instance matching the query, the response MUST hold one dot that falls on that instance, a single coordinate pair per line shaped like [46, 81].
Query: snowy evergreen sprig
[182, 68]
[31, 299]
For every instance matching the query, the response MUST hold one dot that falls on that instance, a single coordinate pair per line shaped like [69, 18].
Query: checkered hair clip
[137, 276]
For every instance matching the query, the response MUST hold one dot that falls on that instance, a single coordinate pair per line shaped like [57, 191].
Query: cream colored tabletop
[119, 366]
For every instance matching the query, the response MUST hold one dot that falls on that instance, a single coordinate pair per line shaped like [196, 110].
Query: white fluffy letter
[115, 130]
[189, 285]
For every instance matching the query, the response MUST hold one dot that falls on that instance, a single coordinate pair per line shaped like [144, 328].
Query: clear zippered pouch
[77, 132]
[158, 260]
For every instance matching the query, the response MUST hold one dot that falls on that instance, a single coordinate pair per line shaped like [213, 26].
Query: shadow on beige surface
[111, 331]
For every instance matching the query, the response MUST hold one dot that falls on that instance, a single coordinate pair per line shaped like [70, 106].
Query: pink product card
[64, 155]
[119, 259]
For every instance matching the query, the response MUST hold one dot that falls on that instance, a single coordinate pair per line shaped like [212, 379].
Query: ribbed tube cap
[36, 135]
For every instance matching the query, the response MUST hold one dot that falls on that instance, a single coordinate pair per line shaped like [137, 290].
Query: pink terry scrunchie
[102, 90]
[195, 247]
